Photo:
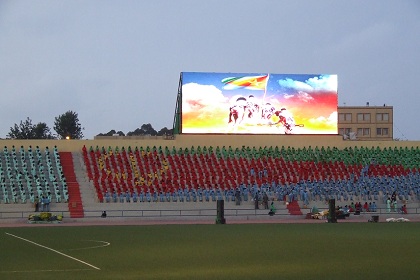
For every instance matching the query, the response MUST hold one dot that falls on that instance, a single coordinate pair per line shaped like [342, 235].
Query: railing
[187, 213]
[151, 213]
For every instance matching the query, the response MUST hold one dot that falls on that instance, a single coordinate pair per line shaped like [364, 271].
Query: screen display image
[259, 103]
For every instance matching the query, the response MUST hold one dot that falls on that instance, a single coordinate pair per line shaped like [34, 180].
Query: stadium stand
[176, 174]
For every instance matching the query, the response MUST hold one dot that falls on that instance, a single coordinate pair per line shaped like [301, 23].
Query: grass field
[249, 251]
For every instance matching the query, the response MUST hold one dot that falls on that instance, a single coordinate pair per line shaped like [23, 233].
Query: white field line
[105, 244]
[55, 251]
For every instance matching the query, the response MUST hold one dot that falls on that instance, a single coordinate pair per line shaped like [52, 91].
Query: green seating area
[28, 173]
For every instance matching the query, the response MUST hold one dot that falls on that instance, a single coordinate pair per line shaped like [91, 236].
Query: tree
[26, 130]
[22, 131]
[145, 129]
[111, 133]
[67, 125]
[165, 131]
[42, 131]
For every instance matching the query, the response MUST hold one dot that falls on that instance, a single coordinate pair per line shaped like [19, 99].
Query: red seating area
[390, 170]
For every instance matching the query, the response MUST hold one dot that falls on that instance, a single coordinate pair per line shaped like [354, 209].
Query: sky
[117, 63]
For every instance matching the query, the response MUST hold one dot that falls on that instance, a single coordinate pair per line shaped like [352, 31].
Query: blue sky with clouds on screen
[117, 63]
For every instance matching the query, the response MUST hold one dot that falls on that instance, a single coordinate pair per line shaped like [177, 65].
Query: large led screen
[259, 103]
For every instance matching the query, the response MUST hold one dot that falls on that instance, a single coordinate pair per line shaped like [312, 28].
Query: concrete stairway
[87, 190]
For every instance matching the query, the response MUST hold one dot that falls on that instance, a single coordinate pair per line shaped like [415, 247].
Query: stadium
[235, 157]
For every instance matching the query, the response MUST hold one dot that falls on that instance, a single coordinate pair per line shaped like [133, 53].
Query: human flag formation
[248, 82]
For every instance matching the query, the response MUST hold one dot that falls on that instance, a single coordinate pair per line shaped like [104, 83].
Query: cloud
[198, 97]
[305, 97]
[331, 120]
[323, 83]
[296, 85]
[305, 91]
[301, 96]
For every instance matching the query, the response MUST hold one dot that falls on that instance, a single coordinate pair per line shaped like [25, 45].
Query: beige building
[366, 122]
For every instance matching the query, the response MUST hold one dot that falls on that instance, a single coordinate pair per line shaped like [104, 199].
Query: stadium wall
[186, 141]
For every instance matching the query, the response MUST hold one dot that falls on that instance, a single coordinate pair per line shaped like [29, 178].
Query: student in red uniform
[366, 207]
[404, 209]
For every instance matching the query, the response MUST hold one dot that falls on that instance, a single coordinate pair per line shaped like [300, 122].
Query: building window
[363, 117]
[363, 132]
[343, 131]
[382, 117]
[344, 117]
[382, 131]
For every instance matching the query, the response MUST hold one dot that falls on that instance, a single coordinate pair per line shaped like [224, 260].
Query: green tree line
[68, 125]
[145, 129]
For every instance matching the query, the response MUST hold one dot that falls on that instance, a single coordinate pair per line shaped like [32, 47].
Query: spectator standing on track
[272, 209]
[256, 200]
[388, 205]
[47, 203]
[394, 205]
[41, 200]
[238, 197]
[265, 200]
[36, 204]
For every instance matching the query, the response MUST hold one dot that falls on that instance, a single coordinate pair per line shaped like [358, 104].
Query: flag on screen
[248, 82]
